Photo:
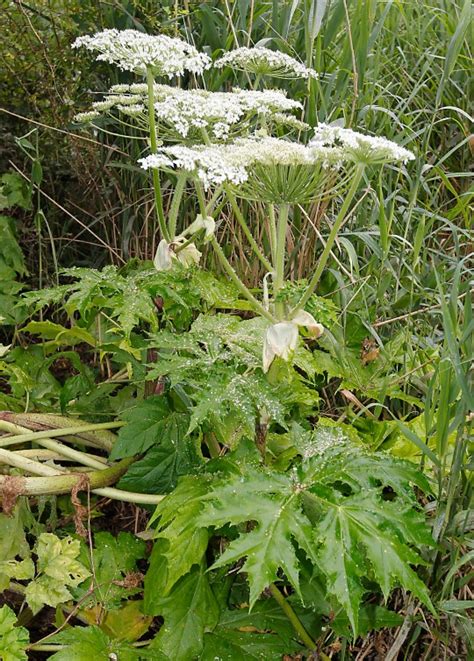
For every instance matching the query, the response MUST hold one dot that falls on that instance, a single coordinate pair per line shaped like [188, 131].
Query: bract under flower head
[359, 147]
[303, 318]
[136, 51]
[207, 223]
[263, 61]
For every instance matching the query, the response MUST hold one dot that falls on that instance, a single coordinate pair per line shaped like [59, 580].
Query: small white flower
[156, 161]
[280, 340]
[136, 51]
[263, 61]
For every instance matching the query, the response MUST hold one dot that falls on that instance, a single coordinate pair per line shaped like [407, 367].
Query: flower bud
[280, 340]
[303, 318]
[189, 255]
[163, 256]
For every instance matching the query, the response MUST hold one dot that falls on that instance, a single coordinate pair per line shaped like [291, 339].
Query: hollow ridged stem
[154, 148]
[279, 278]
[56, 481]
[174, 210]
[227, 266]
[24, 423]
[273, 232]
[293, 618]
[71, 453]
[340, 218]
[49, 433]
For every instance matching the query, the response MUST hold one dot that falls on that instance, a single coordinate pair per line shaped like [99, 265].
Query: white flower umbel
[218, 112]
[210, 164]
[136, 51]
[263, 61]
[86, 117]
[184, 113]
[272, 169]
[281, 339]
[361, 148]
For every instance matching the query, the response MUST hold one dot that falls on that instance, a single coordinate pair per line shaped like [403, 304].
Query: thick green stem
[49, 433]
[279, 278]
[292, 616]
[71, 453]
[175, 204]
[154, 148]
[129, 496]
[245, 228]
[25, 423]
[340, 218]
[258, 307]
[273, 231]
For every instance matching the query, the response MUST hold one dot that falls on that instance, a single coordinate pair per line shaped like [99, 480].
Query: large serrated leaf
[354, 515]
[181, 544]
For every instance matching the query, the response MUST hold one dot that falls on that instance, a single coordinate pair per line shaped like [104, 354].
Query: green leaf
[229, 645]
[13, 544]
[10, 251]
[113, 558]
[263, 633]
[21, 570]
[60, 335]
[86, 643]
[13, 639]
[354, 515]
[189, 612]
[158, 471]
[150, 423]
[183, 543]
[57, 570]
[371, 618]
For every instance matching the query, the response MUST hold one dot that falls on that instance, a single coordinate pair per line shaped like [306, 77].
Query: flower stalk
[339, 221]
[279, 279]
[292, 617]
[154, 148]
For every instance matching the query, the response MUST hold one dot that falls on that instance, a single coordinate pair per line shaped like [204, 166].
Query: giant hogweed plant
[263, 505]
